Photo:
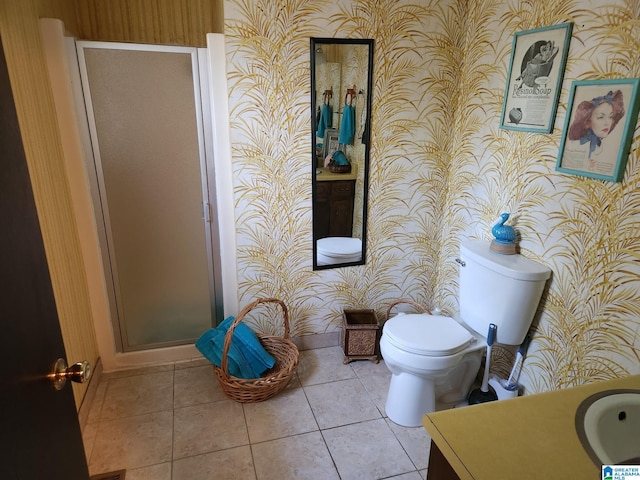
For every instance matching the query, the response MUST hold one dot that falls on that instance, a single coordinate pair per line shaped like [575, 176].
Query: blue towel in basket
[247, 358]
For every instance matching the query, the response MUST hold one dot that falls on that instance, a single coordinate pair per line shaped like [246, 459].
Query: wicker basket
[339, 168]
[410, 302]
[273, 380]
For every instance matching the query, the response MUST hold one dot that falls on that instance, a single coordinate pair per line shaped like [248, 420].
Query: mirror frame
[366, 141]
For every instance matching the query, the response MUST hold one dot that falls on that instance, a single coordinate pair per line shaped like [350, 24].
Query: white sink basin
[608, 425]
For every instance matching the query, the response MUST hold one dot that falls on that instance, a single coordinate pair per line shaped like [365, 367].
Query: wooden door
[40, 435]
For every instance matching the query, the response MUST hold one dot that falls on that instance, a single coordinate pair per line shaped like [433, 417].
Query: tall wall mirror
[341, 84]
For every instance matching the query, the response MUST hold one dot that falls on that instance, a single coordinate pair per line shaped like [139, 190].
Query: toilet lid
[430, 335]
[339, 246]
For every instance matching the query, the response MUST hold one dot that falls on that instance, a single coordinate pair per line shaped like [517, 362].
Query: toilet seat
[339, 247]
[427, 335]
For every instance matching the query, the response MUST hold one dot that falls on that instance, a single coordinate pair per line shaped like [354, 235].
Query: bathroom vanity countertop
[327, 175]
[530, 437]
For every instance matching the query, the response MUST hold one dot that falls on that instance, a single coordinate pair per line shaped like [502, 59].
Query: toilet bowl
[434, 359]
[336, 250]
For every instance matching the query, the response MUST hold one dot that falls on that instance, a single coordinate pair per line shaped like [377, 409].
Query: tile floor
[173, 422]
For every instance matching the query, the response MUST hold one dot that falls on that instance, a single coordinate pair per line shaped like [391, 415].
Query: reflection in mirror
[341, 83]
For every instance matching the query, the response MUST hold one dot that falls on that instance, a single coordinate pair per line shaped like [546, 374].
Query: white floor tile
[415, 441]
[376, 383]
[207, 428]
[367, 450]
[301, 457]
[161, 471]
[284, 415]
[340, 403]
[137, 395]
[173, 422]
[405, 476]
[232, 464]
[323, 365]
[132, 442]
[196, 385]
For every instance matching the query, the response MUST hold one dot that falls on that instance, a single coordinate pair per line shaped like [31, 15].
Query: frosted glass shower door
[143, 107]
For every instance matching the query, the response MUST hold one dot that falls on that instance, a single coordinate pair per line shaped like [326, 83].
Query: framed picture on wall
[598, 130]
[534, 80]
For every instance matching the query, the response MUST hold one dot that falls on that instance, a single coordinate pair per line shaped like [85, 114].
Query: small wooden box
[359, 335]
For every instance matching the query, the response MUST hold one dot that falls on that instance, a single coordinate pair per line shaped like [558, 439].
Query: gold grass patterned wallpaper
[441, 170]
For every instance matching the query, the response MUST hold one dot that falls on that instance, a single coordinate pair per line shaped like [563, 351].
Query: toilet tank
[500, 289]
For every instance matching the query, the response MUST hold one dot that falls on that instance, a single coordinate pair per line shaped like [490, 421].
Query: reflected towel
[326, 119]
[339, 158]
[247, 358]
[347, 125]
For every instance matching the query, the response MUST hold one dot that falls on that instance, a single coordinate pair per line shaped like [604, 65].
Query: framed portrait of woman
[598, 130]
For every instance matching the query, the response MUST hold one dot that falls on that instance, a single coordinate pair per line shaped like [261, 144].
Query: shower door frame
[202, 105]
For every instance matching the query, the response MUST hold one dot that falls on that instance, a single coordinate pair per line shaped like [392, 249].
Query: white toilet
[335, 250]
[434, 359]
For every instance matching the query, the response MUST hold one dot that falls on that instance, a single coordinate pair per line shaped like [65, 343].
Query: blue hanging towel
[348, 125]
[247, 358]
[326, 119]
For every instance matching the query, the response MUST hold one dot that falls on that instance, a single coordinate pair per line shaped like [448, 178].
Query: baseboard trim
[318, 340]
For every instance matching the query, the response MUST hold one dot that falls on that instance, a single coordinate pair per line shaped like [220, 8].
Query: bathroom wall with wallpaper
[441, 170]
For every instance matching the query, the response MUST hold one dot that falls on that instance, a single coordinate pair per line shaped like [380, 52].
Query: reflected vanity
[341, 84]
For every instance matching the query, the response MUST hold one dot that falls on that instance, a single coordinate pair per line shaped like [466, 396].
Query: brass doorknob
[78, 372]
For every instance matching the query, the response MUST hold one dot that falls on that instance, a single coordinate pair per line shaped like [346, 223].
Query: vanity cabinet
[333, 209]
[524, 438]
[439, 467]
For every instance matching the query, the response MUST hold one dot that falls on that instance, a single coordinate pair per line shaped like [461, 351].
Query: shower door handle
[206, 212]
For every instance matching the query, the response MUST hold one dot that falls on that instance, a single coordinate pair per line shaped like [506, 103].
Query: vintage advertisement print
[536, 69]
[601, 119]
